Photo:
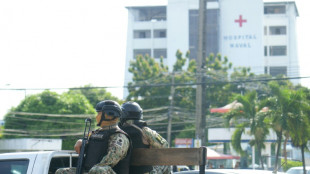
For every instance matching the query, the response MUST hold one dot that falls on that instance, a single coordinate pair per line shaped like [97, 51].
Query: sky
[71, 43]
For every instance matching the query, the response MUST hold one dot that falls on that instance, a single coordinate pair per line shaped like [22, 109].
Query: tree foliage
[284, 113]
[289, 164]
[152, 83]
[216, 72]
[253, 118]
[146, 72]
[94, 95]
[48, 126]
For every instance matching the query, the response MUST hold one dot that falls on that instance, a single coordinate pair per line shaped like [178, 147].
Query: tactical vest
[135, 133]
[97, 148]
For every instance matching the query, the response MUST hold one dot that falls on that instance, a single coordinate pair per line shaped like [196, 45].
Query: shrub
[290, 164]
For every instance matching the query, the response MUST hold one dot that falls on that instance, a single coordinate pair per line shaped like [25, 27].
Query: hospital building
[257, 34]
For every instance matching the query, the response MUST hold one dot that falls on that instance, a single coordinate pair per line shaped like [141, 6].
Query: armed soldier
[141, 136]
[108, 148]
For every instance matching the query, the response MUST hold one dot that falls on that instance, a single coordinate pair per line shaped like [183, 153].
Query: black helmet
[109, 107]
[132, 111]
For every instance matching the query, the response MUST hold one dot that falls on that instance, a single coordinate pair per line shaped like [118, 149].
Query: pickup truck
[47, 162]
[40, 162]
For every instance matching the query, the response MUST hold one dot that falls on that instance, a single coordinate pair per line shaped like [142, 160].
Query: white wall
[225, 134]
[29, 144]
[291, 59]
[242, 44]
[149, 43]
[177, 27]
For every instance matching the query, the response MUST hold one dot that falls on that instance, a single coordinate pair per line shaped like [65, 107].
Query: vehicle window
[61, 162]
[14, 166]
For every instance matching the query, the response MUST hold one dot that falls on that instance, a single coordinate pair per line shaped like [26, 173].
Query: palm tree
[282, 106]
[248, 116]
[299, 125]
[260, 130]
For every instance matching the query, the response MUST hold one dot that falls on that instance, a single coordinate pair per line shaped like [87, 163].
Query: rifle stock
[79, 168]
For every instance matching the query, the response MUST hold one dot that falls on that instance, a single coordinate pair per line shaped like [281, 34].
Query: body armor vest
[97, 148]
[136, 135]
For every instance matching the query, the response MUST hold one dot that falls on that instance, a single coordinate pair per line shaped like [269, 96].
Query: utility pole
[170, 109]
[200, 90]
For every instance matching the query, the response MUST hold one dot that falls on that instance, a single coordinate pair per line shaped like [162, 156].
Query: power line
[54, 115]
[159, 84]
[45, 130]
[46, 135]
[49, 121]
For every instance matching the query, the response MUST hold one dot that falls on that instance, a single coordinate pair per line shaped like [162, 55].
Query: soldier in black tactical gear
[108, 148]
[141, 136]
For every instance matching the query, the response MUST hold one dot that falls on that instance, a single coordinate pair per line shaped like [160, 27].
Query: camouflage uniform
[156, 141]
[118, 146]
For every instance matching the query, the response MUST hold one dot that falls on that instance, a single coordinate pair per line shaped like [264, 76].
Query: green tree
[94, 95]
[181, 78]
[146, 74]
[241, 79]
[298, 122]
[184, 96]
[217, 94]
[215, 74]
[151, 86]
[282, 107]
[32, 117]
[253, 119]
[151, 81]
[1, 130]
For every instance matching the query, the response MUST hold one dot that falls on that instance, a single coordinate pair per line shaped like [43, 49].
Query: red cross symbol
[240, 21]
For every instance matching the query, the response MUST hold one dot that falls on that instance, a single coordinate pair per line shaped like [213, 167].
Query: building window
[158, 53]
[265, 30]
[160, 33]
[266, 70]
[212, 32]
[277, 51]
[142, 52]
[278, 70]
[141, 34]
[277, 30]
[150, 13]
[265, 50]
[279, 9]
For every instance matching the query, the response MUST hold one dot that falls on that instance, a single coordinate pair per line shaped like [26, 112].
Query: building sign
[184, 142]
[239, 41]
[241, 35]
[240, 21]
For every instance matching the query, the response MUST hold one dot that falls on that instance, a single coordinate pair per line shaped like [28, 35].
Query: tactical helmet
[110, 108]
[132, 111]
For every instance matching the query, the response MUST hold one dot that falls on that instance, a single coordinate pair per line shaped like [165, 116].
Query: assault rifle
[79, 168]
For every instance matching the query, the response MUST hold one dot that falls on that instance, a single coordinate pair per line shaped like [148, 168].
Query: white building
[256, 34]
[280, 44]
[293, 153]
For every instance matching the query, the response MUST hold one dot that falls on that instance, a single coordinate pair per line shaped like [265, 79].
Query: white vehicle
[229, 171]
[42, 162]
[298, 170]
